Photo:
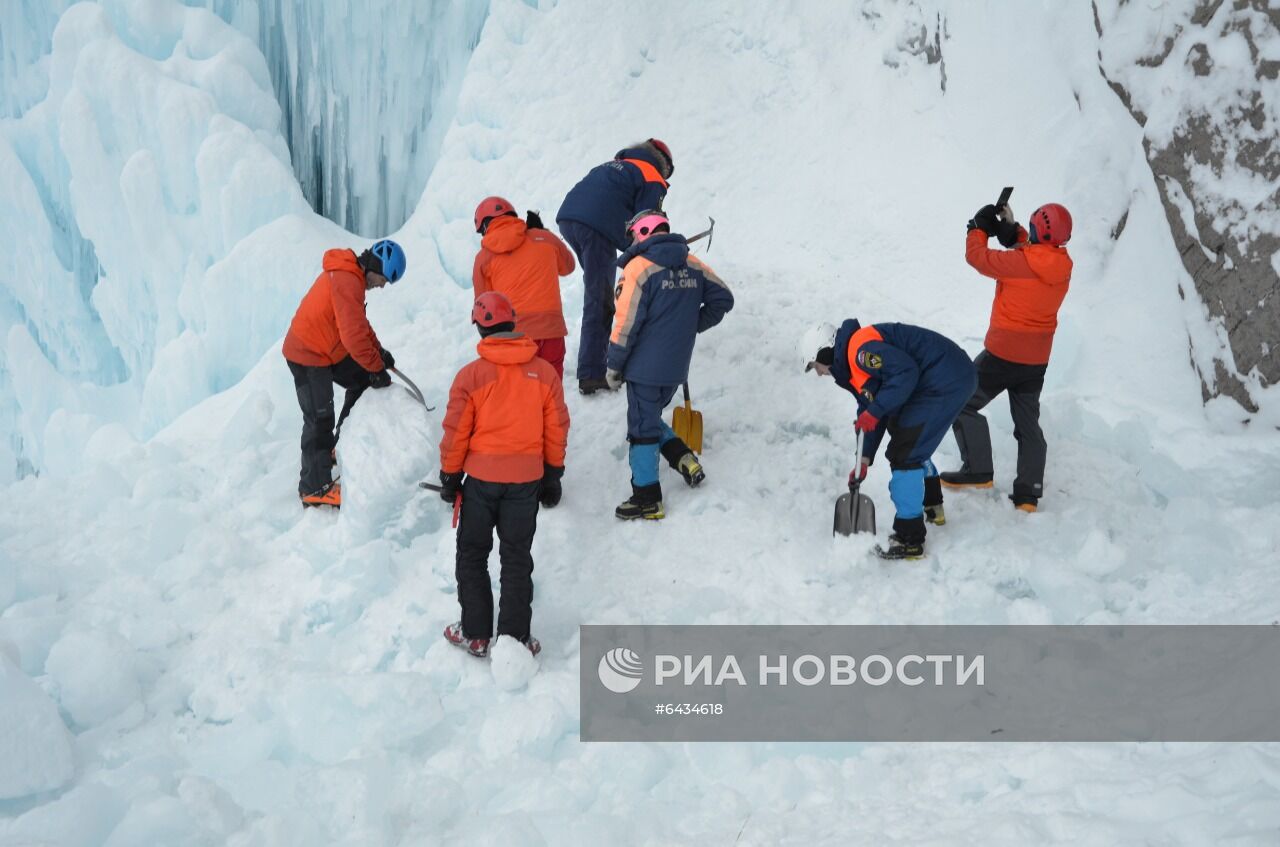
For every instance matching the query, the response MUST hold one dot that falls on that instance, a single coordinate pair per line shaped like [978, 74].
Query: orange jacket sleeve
[564, 256]
[1000, 264]
[354, 331]
[480, 273]
[555, 422]
[459, 423]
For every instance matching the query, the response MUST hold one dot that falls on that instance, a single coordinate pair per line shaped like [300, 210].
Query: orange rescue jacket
[330, 322]
[526, 265]
[1031, 282]
[506, 415]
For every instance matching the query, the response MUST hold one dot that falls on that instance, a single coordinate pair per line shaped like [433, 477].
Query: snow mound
[35, 747]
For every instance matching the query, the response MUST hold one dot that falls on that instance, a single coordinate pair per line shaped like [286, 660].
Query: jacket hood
[342, 259]
[641, 152]
[1051, 263]
[668, 249]
[507, 348]
[505, 234]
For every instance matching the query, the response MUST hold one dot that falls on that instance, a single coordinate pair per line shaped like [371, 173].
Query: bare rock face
[1200, 76]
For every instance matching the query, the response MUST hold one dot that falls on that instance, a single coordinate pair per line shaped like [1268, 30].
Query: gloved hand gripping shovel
[457, 500]
[854, 511]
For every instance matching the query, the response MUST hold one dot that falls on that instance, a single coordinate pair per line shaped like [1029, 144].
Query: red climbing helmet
[643, 224]
[492, 308]
[665, 151]
[492, 207]
[1051, 224]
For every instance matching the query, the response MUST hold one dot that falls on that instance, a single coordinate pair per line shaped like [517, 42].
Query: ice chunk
[513, 664]
[35, 747]
[95, 675]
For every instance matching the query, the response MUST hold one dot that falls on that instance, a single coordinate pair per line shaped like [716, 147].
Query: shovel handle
[688, 404]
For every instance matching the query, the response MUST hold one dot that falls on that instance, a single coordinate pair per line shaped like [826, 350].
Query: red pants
[552, 350]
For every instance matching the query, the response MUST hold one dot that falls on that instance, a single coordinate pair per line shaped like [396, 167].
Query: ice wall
[139, 193]
[366, 92]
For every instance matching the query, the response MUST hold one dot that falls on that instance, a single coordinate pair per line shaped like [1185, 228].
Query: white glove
[614, 378]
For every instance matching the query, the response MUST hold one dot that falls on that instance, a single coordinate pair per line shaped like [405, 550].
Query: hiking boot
[645, 502]
[691, 469]
[478, 647]
[935, 515]
[1024, 504]
[630, 510]
[966, 479]
[330, 495]
[684, 460]
[534, 645]
[900, 549]
[591, 386]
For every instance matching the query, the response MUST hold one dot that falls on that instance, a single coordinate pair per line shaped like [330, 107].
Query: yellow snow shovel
[687, 423]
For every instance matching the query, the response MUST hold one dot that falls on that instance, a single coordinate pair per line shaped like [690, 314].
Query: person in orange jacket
[330, 340]
[505, 433]
[524, 260]
[1032, 280]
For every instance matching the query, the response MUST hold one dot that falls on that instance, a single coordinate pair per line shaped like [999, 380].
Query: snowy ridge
[263, 676]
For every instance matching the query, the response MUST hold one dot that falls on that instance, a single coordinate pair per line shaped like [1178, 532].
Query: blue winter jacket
[890, 366]
[666, 297]
[612, 193]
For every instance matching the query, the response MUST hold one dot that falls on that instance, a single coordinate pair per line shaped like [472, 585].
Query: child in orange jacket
[524, 261]
[505, 433]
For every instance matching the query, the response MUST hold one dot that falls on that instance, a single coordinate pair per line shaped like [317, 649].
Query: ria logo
[620, 670]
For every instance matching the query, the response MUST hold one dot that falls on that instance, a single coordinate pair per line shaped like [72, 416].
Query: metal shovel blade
[854, 513]
[686, 422]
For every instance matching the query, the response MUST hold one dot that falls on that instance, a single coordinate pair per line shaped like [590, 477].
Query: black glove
[379, 379]
[533, 220]
[388, 361]
[1007, 233]
[986, 220]
[550, 491]
[450, 485]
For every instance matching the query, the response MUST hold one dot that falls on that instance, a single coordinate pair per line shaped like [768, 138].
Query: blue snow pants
[917, 429]
[646, 430]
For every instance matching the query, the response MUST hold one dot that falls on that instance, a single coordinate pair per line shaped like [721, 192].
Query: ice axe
[706, 233]
[855, 512]
[412, 389]
[457, 499]
[687, 423]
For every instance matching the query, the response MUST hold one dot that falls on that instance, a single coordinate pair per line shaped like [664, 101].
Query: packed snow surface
[199, 661]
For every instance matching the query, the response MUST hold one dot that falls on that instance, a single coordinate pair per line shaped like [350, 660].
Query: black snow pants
[315, 397]
[1023, 382]
[511, 508]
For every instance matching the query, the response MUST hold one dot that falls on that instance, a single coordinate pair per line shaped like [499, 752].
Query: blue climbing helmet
[391, 256]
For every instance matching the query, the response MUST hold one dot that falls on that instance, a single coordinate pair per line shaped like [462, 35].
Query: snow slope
[255, 675]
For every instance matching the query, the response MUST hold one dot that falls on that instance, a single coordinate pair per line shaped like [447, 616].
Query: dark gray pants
[511, 509]
[1023, 382]
[314, 386]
